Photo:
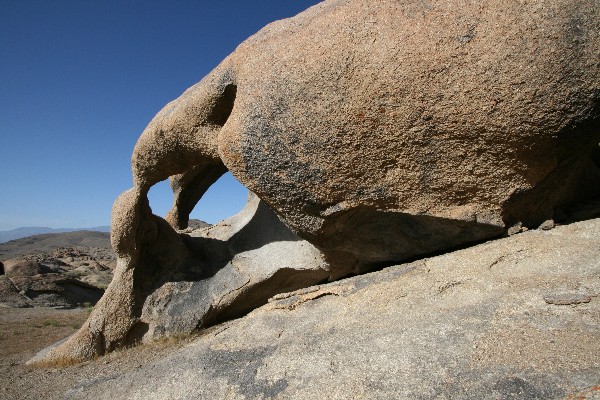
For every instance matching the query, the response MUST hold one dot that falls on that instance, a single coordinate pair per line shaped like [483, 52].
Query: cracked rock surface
[49, 282]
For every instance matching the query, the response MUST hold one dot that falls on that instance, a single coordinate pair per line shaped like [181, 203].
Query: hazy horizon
[81, 80]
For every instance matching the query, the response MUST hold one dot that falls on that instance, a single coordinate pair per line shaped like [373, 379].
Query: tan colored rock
[429, 124]
[17, 267]
[377, 131]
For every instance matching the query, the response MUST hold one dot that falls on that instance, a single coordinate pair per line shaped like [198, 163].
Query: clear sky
[79, 81]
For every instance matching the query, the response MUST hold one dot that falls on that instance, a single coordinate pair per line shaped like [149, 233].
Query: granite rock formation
[184, 282]
[376, 131]
[384, 131]
[479, 323]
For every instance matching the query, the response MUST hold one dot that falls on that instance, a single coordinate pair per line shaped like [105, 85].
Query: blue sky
[79, 81]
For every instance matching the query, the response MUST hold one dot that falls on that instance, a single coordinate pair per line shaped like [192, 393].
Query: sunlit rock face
[375, 132]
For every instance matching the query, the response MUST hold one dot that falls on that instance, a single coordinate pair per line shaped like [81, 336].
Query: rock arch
[373, 132]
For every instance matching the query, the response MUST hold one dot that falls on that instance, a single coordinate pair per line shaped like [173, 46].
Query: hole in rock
[224, 198]
[160, 197]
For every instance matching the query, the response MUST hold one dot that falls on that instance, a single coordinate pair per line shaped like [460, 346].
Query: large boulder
[376, 131]
[385, 130]
[21, 267]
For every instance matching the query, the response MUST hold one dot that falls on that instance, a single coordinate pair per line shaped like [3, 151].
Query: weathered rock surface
[469, 324]
[10, 296]
[384, 130]
[56, 270]
[44, 274]
[245, 259]
[17, 268]
[377, 131]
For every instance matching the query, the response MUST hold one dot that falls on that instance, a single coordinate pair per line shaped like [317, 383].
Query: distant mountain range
[19, 233]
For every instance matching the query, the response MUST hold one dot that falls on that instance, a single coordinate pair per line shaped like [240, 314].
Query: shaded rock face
[235, 267]
[376, 131]
[10, 296]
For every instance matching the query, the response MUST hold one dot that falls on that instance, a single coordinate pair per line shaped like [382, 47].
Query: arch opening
[160, 198]
[223, 199]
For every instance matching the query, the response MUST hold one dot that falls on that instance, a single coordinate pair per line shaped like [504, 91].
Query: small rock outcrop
[29, 283]
[375, 131]
[10, 296]
[42, 274]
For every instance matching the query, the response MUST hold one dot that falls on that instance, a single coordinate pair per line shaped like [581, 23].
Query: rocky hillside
[46, 243]
[19, 233]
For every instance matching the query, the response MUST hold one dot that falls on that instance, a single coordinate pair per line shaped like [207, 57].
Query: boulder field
[371, 133]
[64, 278]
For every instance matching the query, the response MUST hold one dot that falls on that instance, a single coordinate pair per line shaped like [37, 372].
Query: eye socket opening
[193, 184]
[224, 198]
